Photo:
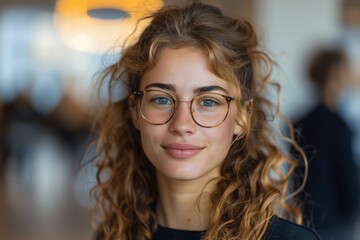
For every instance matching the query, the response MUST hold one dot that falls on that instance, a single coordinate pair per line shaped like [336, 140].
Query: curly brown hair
[253, 185]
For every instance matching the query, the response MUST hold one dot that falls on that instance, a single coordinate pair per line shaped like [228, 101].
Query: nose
[182, 122]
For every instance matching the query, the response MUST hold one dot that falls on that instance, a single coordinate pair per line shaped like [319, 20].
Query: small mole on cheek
[189, 220]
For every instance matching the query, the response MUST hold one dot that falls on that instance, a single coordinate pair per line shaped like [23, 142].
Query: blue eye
[208, 103]
[162, 101]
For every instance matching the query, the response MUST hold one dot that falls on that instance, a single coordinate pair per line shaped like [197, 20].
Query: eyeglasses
[207, 109]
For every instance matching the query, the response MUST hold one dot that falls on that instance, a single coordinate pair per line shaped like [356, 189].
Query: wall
[289, 29]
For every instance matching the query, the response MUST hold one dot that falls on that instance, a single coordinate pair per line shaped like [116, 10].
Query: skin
[339, 79]
[183, 174]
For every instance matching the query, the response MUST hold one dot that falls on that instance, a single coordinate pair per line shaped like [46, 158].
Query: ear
[134, 111]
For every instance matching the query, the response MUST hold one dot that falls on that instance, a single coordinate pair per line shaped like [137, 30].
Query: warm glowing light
[82, 32]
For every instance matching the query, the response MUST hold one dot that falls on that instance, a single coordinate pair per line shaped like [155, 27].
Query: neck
[332, 91]
[183, 204]
[329, 99]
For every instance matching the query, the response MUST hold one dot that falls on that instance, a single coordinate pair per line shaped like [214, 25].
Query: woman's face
[180, 149]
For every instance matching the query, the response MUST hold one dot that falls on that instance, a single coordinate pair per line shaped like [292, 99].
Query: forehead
[185, 68]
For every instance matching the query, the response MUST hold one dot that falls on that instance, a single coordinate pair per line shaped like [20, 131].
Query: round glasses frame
[139, 95]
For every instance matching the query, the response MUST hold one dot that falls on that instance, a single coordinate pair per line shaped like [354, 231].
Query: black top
[331, 192]
[279, 229]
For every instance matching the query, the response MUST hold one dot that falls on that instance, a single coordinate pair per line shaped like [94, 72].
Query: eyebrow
[209, 89]
[199, 90]
[164, 86]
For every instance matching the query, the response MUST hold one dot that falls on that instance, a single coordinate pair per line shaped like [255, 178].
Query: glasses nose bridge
[177, 102]
[182, 116]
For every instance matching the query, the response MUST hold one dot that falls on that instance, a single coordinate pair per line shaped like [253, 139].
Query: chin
[182, 175]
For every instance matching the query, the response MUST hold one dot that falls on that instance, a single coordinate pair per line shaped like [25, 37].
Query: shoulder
[281, 229]
[317, 113]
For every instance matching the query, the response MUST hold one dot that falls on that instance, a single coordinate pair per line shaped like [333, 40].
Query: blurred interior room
[50, 54]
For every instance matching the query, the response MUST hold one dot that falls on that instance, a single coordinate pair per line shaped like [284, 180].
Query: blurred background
[50, 52]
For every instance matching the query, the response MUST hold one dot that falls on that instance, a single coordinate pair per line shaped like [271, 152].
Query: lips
[182, 151]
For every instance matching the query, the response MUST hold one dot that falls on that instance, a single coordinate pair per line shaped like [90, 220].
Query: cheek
[223, 134]
[147, 134]
[150, 138]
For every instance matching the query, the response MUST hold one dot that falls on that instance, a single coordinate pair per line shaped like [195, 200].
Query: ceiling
[243, 8]
[233, 8]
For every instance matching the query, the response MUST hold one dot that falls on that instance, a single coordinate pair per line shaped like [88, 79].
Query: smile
[182, 151]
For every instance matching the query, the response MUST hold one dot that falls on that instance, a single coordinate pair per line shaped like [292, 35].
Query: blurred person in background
[331, 193]
[349, 108]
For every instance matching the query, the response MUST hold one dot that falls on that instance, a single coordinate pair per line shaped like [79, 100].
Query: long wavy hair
[253, 185]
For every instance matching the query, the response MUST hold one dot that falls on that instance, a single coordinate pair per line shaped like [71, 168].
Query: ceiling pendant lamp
[97, 26]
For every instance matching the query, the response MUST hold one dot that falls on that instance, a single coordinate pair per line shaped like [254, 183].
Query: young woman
[188, 154]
